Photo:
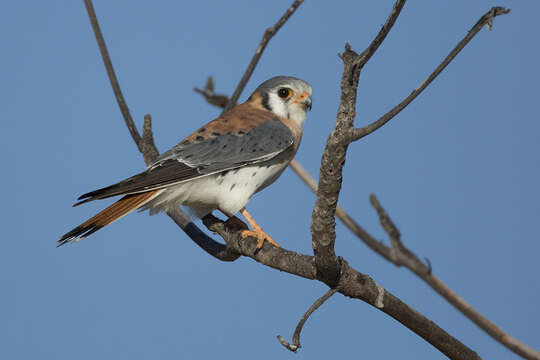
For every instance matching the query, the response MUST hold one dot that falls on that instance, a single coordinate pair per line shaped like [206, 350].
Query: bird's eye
[284, 93]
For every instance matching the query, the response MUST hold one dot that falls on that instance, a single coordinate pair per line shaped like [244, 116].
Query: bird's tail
[114, 212]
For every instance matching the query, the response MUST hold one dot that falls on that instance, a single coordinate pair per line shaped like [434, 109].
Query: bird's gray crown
[279, 81]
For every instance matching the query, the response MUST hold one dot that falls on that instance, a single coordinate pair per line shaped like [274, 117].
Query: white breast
[228, 191]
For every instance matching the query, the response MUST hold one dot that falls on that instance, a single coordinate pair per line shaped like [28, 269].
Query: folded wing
[199, 156]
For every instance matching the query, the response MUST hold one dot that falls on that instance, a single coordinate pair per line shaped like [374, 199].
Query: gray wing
[202, 157]
[223, 151]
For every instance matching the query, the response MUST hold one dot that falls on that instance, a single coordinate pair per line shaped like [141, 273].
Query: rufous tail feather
[114, 212]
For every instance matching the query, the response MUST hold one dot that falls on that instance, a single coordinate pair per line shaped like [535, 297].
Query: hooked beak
[305, 101]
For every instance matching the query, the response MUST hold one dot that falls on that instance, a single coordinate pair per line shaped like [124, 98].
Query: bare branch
[323, 221]
[399, 253]
[296, 336]
[377, 41]
[219, 100]
[487, 18]
[112, 76]
[268, 34]
[351, 283]
[147, 145]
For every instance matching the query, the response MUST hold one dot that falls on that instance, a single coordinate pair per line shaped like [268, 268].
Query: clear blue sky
[458, 171]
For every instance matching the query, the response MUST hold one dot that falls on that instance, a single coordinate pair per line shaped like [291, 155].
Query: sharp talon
[260, 235]
[257, 232]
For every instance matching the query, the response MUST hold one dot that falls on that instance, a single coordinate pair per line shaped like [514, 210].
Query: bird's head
[286, 96]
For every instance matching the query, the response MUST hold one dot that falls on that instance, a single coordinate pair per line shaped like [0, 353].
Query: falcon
[219, 166]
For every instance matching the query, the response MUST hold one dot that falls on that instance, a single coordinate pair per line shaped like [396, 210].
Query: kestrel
[219, 166]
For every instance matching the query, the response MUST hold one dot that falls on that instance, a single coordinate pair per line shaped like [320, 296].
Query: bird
[217, 167]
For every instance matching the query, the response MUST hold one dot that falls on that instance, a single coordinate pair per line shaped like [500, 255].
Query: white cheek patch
[287, 108]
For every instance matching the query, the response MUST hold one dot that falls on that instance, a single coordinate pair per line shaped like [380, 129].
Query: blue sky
[458, 171]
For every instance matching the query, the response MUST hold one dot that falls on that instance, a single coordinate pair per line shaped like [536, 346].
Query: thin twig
[149, 149]
[112, 75]
[351, 283]
[219, 100]
[399, 254]
[379, 38]
[487, 18]
[268, 34]
[296, 336]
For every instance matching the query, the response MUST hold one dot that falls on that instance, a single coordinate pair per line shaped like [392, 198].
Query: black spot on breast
[224, 146]
[255, 173]
[241, 150]
[253, 150]
[202, 130]
[199, 138]
[232, 187]
[279, 144]
[241, 132]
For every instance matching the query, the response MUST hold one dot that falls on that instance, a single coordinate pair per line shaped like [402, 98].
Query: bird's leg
[257, 231]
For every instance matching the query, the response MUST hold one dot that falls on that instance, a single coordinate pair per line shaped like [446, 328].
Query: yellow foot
[258, 233]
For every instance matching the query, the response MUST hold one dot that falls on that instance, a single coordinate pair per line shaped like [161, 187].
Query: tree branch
[486, 19]
[111, 74]
[296, 336]
[219, 100]
[268, 34]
